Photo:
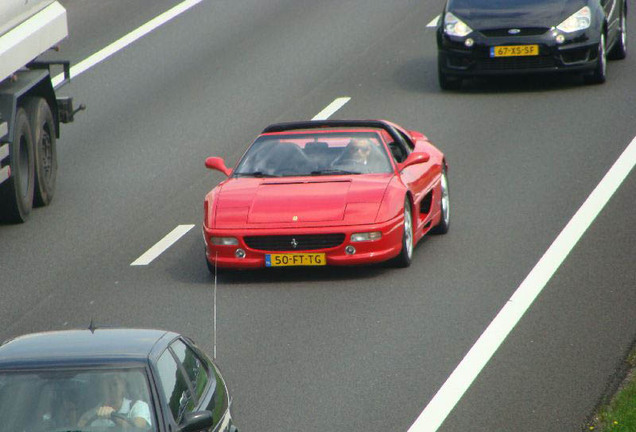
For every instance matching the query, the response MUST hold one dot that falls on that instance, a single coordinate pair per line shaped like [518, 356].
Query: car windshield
[67, 400]
[314, 154]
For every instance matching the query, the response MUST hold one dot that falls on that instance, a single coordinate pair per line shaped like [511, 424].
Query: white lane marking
[434, 22]
[162, 245]
[469, 368]
[331, 108]
[127, 40]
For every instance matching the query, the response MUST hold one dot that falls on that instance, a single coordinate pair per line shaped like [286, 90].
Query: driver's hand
[105, 411]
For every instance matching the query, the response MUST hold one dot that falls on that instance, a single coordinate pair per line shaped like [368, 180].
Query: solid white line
[162, 245]
[469, 368]
[331, 108]
[433, 23]
[127, 39]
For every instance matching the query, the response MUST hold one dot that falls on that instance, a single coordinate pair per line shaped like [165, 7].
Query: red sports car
[332, 192]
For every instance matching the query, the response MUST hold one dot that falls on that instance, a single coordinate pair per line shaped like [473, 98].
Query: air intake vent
[293, 243]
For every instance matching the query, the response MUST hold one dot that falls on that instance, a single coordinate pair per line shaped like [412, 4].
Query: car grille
[512, 63]
[301, 242]
[529, 31]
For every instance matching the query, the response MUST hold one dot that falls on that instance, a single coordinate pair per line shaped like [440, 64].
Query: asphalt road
[336, 349]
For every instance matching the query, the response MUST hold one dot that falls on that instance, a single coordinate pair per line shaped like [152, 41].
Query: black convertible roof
[324, 124]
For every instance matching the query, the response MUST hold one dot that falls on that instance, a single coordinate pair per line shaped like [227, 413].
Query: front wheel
[599, 75]
[619, 50]
[404, 258]
[444, 205]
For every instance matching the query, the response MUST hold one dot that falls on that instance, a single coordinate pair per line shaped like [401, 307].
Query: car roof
[318, 125]
[90, 347]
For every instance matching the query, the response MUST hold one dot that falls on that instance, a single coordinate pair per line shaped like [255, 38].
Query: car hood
[494, 14]
[266, 203]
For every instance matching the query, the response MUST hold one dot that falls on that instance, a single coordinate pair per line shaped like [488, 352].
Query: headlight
[224, 241]
[578, 21]
[453, 26]
[368, 236]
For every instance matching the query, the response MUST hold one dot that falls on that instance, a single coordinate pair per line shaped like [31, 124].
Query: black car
[107, 380]
[487, 37]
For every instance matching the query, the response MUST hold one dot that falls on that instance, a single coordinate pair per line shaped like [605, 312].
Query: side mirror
[415, 158]
[217, 163]
[196, 421]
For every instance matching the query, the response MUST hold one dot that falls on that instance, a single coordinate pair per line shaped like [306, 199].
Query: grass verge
[620, 414]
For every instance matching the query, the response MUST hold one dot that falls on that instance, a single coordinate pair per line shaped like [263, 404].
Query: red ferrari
[332, 192]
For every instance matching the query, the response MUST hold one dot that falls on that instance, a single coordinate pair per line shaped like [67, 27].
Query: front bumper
[367, 252]
[578, 53]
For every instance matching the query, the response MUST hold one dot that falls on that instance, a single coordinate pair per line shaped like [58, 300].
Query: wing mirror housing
[415, 158]
[217, 163]
[196, 421]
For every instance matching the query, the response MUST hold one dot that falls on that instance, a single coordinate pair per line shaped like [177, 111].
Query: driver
[358, 156]
[358, 151]
[127, 413]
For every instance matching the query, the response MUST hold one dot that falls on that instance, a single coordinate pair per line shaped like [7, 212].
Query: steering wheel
[114, 415]
[123, 417]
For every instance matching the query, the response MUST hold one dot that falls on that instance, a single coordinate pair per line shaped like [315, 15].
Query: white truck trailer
[30, 110]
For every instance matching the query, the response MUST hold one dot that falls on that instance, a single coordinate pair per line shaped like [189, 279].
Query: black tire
[406, 254]
[444, 223]
[619, 50]
[16, 193]
[599, 74]
[44, 144]
[446, 82]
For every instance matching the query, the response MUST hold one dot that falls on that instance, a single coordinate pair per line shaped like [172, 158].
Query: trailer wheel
[44, 144]
[16, 194]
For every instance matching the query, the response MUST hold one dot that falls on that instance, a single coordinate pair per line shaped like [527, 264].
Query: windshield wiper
[333, 172]
[254, 174]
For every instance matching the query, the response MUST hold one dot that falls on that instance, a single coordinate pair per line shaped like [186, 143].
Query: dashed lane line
[331, 108]
[162, 245]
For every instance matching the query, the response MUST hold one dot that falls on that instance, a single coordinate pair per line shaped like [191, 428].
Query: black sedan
[109, 380]
[487, 37]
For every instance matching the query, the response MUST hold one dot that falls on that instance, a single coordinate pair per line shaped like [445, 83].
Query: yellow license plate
[295, 259]
[514, 50]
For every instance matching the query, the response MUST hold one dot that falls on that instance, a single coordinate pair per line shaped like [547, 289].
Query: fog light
[469, 42]
[560, 39]
[239, 253]
[350, 250]
[224, 241]
[368, 236]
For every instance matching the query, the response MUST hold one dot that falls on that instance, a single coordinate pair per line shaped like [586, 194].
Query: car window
[398, 151]
[312, 154]
[66, 399]
[195, 369]
[175, 386]
[407, 139]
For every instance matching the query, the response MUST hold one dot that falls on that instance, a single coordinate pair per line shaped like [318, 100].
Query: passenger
[126, 412]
